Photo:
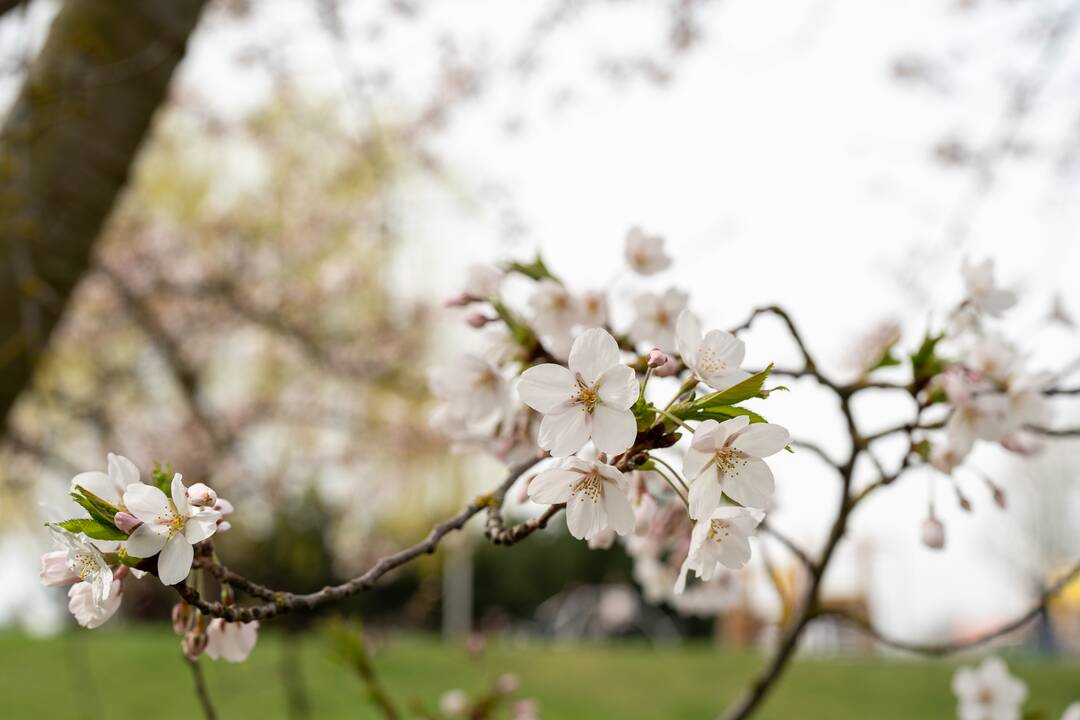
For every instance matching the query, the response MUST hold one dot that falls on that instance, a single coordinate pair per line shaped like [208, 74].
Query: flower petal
[705, 494]
[593, 352]
[725, 379]
[146, 502]
[201, 525]
[179, 496]
[750, 483]
[146, 540]
[695, 463]
[547, 388]
[585, 516]
[553, 486]
[618, 387]
[724, 347]
[620, 516]
[613, 431]
[734, 551]
[564, 434]
[709, 436]
[122, 471]
[174, 562]
[687, 336]
[761, 439]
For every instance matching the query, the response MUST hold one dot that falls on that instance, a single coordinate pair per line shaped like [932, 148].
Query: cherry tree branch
[941, 649]
[284, 602]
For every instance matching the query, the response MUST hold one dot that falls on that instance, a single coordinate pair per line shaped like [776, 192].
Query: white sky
[784, 166]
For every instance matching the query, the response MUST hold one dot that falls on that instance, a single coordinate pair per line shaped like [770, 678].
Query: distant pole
[457, 590]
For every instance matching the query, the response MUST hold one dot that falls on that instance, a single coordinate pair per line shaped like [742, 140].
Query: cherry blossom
[83, 560]
[720, 540]
[982, 292]
[594, 493]
[725, 458]
[555, 310]
[988, 692]
[656, 318]
[232, 642]
[645, 253]
[170, 527]
[593, 310]
[715, 357]
[590, 399]
[475, 392]
[110, 485]
[89, 610]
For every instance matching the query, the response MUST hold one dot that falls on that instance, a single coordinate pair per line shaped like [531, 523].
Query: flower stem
[674, 472]
[673, 486]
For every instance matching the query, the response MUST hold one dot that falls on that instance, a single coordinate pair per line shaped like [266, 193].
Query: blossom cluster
[130, 528]
[613, 407]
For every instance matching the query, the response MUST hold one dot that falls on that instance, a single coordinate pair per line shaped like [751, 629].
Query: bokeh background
[265, 298]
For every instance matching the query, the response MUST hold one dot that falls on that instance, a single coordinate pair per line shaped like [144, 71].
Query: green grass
[138, 672]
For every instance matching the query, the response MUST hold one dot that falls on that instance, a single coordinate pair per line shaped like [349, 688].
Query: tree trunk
[65, 153]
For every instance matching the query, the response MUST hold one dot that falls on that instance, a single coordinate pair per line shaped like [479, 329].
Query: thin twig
[201, 690]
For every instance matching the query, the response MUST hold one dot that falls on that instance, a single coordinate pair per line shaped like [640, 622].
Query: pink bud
[458, 300]
[477, 320]
[657, 358]
[55, 571]
[475, 645]
[181, 617]
[223, 506]
[193, 644]
[126, 522]
[200, 495]
[223, 525]
[933, 532]
[668, 369]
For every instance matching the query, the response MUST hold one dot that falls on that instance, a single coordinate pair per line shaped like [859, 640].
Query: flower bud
[477, 320]
[223, 506]
[933, 532]
[194, 643]
[55, 571]
[200, 495]
[657, 357]
[475, 645]
[526, 709]
[181, 617]
[458, 300]
[667, 369]
[507, 683]
[126, 522]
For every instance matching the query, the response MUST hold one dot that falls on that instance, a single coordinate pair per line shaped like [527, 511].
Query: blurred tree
[65, 153]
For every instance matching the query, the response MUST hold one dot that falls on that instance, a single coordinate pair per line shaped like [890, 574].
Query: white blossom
[725, 457]
[170, 526]
[1072, 712]
[594, 493]
[982, 292]
[454, 702]
[645, 253]
[593, 310]
[109, 486]
[590, 399]
[555, 310]
[988, 692]
[228, 641]
[933, 532]
[715, 357]
[55, 571]
[656, 318]
[87, 609]
[475, 392]
[482, 281]
[83, 559]
[720, 540]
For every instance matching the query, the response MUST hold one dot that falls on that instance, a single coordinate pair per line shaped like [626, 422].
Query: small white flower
[55, 571]
[593, 309]
[482, 281]
[725, 457]
[645, 253]
[720, 540]
[988, 692]
[933, 532]
[474, 390]
[200, 495]
[656, 318]
[1072, 712]
[84, 560]
[454, 702]
[949, 455]
[591, 399]
[594, 493]
[555, 310]
[714, 358]
[995, 359]
[981, 290]
[232, 642]
[86, 608]
[170, 526]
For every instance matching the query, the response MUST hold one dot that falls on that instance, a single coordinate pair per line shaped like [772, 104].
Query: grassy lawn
[50, 679]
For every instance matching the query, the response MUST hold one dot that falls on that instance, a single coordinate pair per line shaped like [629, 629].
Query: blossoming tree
[640, 433]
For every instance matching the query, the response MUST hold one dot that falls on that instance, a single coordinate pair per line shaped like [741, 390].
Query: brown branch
[496, 531]
[284, 602]
[790, 544]
[940, 649]
[1054, 432]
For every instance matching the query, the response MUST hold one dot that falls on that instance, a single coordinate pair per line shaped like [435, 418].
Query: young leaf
[162, 477]
[92, 529]
[748, 388]
[719, 412]
[99, 509]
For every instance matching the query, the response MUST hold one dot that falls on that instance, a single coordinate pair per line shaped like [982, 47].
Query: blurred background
[262, 297]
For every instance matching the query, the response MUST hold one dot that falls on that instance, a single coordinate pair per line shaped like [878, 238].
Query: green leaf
[721, 413]
[162, 476]
[99, 509]
[522, 334]
[535, 270]
[91, 528]
[748, 388]
[925, 364]
[644, 413]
